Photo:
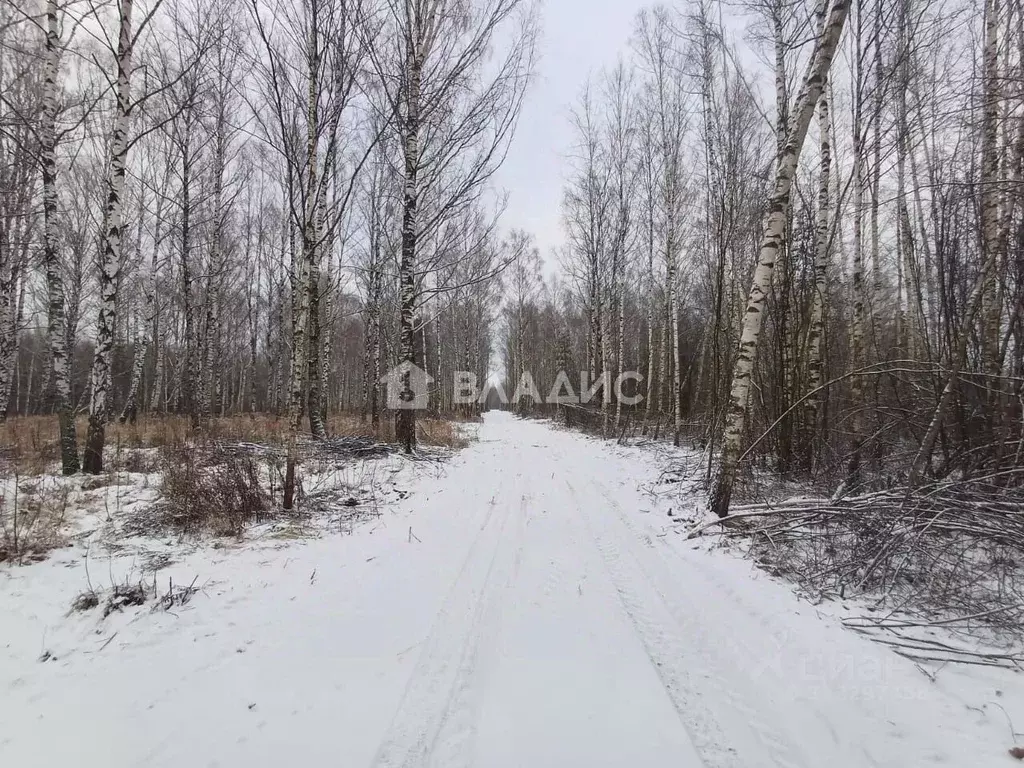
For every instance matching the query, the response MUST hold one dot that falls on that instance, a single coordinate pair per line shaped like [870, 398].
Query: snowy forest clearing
[530, 602]
[249, 251]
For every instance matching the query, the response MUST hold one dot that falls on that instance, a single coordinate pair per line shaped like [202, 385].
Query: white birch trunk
[821, 260]
[56, 327]
[110, 247]
[405, 421]
[301, 260]
[774, 229]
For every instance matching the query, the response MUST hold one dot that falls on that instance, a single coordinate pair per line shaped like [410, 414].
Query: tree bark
[405, 419]
[774, 229]
[56, 326]
[301, 261]
[820, 296]
[110, 246]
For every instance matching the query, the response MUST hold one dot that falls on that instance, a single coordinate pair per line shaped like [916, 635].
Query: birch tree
[822, 247]
[111, 242]
[453, 118]
[660, 60]
[56, 327]
[810, 93]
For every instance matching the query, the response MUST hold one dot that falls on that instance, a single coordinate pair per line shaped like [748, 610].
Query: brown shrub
[442, 433]
[220, 494]
[32, 518]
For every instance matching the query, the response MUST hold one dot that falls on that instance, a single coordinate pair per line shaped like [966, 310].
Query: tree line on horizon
[806, 235]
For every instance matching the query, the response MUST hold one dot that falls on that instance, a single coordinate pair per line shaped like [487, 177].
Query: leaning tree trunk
[56, 325]
[957, 360]
[110, 256]
[774, 227]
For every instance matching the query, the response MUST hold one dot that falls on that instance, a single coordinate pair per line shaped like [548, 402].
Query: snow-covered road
[530, 607]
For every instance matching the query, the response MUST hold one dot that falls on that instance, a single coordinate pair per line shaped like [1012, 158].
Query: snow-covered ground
[530, 604]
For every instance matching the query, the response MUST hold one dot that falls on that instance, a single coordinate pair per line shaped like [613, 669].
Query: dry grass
[445, 434]
[215, 480]
[30, 443]
[32, 519]
[130, 594]
[206, 492]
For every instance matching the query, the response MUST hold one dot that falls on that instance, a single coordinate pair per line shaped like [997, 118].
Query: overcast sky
[578, 37]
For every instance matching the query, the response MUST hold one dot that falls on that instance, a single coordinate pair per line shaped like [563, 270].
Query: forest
[798, 222]
[291, 292]
[819, 280]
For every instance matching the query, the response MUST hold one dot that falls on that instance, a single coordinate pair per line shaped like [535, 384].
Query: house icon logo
[407, 386]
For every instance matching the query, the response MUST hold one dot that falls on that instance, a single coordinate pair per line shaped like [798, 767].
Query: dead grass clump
[120, 596]
[85, 602]
[176, 596]
[220, 494]
[354, 425]
[442, 433]
[31, 443]
[130, 593]
[124, 596]
[32, 519]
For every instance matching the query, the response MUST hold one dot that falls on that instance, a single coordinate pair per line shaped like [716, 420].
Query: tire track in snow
[780, 653]
[454, 743]
[436, 720]
[761, 670]
[705, 704]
